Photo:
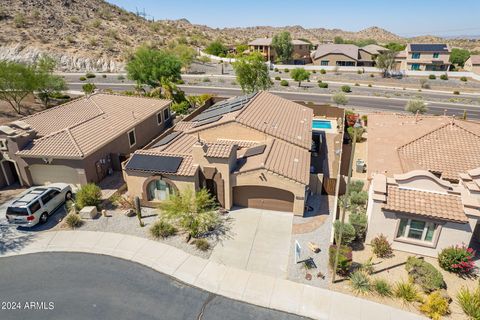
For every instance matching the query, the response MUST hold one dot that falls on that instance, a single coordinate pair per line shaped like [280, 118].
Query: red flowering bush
[458, 259]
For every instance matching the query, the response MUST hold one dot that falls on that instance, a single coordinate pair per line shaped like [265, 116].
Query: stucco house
[424, 57]
[473, 64]
[348, 55]
[250, 151]
[81, 141]
[300, 55]
[424, 193]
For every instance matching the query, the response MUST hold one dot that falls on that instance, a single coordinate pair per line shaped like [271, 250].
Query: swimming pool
[321, 124]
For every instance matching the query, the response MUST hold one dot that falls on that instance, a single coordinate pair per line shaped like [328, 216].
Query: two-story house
[301, 50]
[425, 57]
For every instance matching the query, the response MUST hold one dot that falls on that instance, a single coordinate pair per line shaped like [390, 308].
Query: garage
[44, 174]
[267, 198]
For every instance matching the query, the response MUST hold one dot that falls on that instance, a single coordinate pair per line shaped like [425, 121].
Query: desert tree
[282, 44]
[252, 73]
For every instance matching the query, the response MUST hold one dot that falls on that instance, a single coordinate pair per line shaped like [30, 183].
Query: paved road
[87, 286]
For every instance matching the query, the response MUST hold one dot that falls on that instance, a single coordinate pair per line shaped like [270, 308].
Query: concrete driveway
[258, 241]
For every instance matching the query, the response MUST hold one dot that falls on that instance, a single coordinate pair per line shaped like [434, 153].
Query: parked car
[36, 204]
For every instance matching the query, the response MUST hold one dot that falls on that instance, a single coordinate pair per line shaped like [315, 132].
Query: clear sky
[405, 17]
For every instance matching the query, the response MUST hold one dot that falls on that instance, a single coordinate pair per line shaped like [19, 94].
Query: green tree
[395, 46]
[338, 40]
[252, 73]
[184, 53]
[204, 59]
[216, 48]
[340, 98]
[88, 88]
[459, 56]
[16, 82]
[282, 44]
[151, 67]
[386, 61]
[416, 105]
[241, 48]
[48, 84]
[300, 74]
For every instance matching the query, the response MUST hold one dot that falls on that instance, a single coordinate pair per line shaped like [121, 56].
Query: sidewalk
[230, 282]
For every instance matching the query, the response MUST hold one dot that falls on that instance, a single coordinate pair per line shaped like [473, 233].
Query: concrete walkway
[258, 289]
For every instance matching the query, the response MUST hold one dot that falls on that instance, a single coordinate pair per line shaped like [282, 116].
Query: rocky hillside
[95, 35]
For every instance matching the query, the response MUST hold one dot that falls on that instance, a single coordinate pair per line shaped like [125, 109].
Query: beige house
[425, 57]
[425, 181]
[251, 151]
[346, 55]
[81, 141]
[301, 50]
[473, 64]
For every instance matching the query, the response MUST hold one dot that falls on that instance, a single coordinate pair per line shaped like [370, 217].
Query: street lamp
[356, 127]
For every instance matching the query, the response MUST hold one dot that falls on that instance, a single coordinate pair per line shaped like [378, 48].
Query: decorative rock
[89, 212]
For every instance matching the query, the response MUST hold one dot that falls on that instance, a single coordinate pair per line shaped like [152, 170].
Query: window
[416, 55]
[166, 114]
[131, 138]
[159, 118]
[324, 62]
[436, 55]
[49, 196]
[416, 230]
[415, 66]
[159, 190]
[346, 63]
[34, 207]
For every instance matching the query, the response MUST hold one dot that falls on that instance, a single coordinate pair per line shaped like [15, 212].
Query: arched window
[159, 190]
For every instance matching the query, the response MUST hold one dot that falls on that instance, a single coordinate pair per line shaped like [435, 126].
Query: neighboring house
[473, 64]
[425, 57]
[346, 55]
[301, 50]
[81, 141]
[425, 181]
[251, 151]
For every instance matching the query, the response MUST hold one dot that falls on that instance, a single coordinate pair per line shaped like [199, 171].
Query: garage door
[45, 174]
[263, 198]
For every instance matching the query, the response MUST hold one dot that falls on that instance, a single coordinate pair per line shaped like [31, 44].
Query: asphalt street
[86, 286]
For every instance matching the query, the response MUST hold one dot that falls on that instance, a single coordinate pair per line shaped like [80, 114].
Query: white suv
[36, 204]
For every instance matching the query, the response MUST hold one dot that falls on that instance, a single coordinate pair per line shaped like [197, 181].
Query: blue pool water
[321, 124]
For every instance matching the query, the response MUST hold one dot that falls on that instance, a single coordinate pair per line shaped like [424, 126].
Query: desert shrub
[284, 83]
[314, 71]
[424, 84]
[286, 70]
[372, 75]
[346, 89]
[276, 69]
[424, 274]
[359, 71]
[82, 78]
[358, 198]
[435, 306]
[162, 229]
[278, 78]
[120, 77]
[348, 234]
[356, 186]
[202, 244]
[369, 85]
[444, 77]
[381, 247]
[206, 79]
[382, 287]
[20, 20]
[359, 223]
[323, 85]
[416, 105]
[406, 291]
[457, 259]
[469, 301]
[464, 79]
[88, 195]
[73, 220]
[181, 107]
[456, 92]
[432, 77]
[344, 259]
[368, 266]
[360, 282]
[322, 71]
[104, 76]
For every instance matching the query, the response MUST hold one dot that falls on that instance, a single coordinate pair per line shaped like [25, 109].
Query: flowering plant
[458, 259]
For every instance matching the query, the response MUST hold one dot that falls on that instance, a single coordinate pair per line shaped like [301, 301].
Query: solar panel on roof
[207, 121]
[167, 139]
[429, 47]
[224, 107]
[154, 163]
[253, 151]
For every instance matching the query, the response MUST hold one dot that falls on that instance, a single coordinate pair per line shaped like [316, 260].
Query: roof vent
[7, 130]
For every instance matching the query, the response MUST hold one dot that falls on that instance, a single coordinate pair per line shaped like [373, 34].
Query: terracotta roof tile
[289, 161]
[428, 204]
[218, 150]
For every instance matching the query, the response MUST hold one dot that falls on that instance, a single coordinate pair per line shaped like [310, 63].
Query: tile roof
[449, 150]
[187, 167]
[374, 48]
[428, 204]
[87, 123]
[289, 161]
[475, 59]
[239, 143]
[268, 42]
[350, 50]
[219, 150]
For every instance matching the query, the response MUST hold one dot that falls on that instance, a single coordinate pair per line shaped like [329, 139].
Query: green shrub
[73, 220]
[372, 75]
[181, 107]
[346, 89]
[82, 78]
[120, 77]
[323, 85]
[356, 186]
[444, 77]
[470, 301]
[206, 79]
[360, 282]
[382, 287]
[369, 85]
[90, 75]
[359, 71]
[357, 84]
[284, 83]
[322, 71]
[381, 247]
[344, 259]
[424, 274]
[104, 76]
[406, 291]
[464, 79]
[286, 70]
[276, 69]
[278, 78]
[435, 306]
[432, 77]
[88, 195]
[358, 198]
[456, 92]
[314, 71]
[359, 223]
[348, 234]
[202, 244]
[457, 259]
[162, 229]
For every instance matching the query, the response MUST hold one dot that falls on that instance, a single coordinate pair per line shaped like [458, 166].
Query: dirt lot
[29, 106]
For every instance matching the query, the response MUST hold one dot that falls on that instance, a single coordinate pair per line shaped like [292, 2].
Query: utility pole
[356, 126]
